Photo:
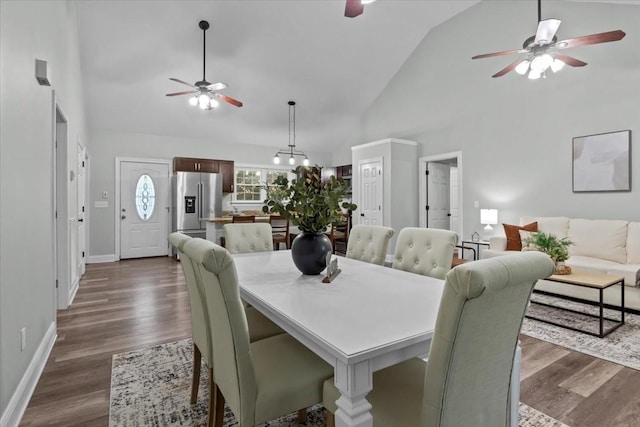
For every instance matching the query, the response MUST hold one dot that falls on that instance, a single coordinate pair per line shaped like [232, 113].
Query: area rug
[152, 386]
[621, 346]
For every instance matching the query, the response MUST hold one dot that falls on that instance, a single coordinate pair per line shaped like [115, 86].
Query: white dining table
[368, 318]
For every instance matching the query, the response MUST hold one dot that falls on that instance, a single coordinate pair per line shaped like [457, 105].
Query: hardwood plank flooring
[134, 304]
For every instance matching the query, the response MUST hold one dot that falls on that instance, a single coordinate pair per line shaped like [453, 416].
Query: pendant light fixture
[291, 151]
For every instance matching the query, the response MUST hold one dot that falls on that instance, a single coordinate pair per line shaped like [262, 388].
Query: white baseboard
[18, 404]
[101, 258]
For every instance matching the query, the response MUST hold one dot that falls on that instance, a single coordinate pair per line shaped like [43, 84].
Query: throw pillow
[513, 234]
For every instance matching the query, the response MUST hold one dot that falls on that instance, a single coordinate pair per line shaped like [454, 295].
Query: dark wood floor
[134, 304]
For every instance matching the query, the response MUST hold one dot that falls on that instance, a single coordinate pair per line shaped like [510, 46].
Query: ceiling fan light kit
[355, 8]
[540, 49]
[205, 93]
[291, 150]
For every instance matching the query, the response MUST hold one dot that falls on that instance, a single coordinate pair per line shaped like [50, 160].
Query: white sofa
[602, 246]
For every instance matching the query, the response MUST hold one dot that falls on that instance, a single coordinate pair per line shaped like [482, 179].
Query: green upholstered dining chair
[426, 251]
[248, 237]
[259, 380]
[259, 326]
[467, 379]
[369, 243]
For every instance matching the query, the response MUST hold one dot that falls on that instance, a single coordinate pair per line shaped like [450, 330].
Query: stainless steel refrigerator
[197, 196]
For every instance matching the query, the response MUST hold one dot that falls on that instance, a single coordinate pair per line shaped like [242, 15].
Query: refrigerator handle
[199, 201]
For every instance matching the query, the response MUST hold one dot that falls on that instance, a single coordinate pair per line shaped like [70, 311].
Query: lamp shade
[488, 216]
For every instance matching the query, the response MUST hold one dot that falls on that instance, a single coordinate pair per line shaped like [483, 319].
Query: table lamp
[488, 217]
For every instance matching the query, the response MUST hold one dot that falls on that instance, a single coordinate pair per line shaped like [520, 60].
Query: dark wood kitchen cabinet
[223, 167]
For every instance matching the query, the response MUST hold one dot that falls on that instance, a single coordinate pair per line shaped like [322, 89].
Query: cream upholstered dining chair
[259, 326]
[259, 380]
[369, 243]
[426, 251]
[467, 379]
[248, 237]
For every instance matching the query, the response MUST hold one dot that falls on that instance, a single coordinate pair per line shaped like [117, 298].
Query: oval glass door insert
[145, 197]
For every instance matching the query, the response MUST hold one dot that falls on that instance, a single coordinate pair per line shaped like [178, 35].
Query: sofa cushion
[599, 238]
[633, 243]
[630, 272]
[513, 234]
[556, 225]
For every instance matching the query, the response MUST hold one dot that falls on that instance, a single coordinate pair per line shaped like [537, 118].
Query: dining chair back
[468, 376]
[369, 243]
[339, 231]
[243, 218]
[248, 237]
[280, 230]
[426, 251]
[259, 380]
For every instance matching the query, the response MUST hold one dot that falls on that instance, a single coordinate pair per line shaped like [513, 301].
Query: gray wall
[105, 146]
[516, 135]
[28, 30]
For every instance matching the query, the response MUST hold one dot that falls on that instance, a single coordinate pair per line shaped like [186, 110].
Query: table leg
[354, 382]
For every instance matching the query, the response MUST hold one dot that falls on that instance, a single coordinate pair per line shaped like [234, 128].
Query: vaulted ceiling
[267, 51]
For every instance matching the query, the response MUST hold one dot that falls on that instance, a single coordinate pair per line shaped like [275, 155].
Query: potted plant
[550, 244]
[312, 205]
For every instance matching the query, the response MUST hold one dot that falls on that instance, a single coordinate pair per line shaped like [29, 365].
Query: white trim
[18, 404]
[119, 160]
[383, 141]
[97, 259]
[422, 186]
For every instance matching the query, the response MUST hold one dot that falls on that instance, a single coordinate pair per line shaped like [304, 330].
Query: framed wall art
[602, 162]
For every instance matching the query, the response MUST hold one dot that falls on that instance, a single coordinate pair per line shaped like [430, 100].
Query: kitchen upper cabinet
[223, 167]
[191, 164]
[227, 170]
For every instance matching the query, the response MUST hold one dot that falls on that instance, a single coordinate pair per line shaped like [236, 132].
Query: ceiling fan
[541, 49]
[205, 92]
[355, 7]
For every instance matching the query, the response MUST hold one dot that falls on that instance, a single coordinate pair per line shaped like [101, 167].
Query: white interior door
[144, 209]
[82, 185]
[438, 213]
[453, 200]
[370, 205]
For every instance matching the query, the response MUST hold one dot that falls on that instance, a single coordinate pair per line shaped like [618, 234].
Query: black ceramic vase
[309, 252]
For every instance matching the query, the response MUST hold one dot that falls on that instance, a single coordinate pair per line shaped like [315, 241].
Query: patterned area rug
[151, 387]
[621, 346]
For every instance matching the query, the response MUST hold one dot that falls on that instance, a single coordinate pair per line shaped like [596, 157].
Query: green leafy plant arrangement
[308, 202]
[557, 249]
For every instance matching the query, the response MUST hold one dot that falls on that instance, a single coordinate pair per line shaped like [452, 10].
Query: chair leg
[302, 416]
[197, 357]
[219, 411]
[212, 398]
[331, 419]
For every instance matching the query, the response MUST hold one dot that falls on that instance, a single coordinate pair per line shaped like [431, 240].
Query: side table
[468, 244]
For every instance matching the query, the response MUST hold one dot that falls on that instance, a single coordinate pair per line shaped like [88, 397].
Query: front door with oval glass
[144, 209]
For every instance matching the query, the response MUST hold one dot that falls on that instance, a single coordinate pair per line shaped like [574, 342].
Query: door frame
[422, 186]
[119, 161]
[379, 160]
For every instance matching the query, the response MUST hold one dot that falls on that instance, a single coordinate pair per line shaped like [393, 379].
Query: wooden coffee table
[587, 280]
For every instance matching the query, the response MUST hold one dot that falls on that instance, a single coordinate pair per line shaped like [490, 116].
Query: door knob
[123, 217]
[124, 210]
[81, 220]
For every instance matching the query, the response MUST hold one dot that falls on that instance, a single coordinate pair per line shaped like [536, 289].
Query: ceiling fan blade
[508, 68]
[503, 53]
[228, 99]
[184, 83]
[547, 30]
[570, 60]
[353, 8]
[182, 93]
[217, 86]
[609, 36]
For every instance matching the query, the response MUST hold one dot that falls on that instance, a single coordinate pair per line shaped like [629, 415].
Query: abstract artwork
[602, 162]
